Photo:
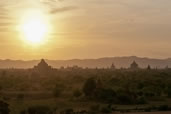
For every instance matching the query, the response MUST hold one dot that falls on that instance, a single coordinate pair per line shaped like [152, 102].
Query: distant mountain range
[91, 63]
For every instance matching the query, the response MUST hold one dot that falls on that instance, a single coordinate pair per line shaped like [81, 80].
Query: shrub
[20, 96]
[4, 108]
[58, 90]
[106, 109]
[39, 110]
[6, 98]
[68, 111]
[148, 109]
[89, 87]
[124, 98]
[23, 112]
[141, 100]
[94, 109]
[77, 93]
[106, 95]
[169, 91]
[163, 108]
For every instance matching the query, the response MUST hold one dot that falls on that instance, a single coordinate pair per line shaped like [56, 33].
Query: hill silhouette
[91, 63]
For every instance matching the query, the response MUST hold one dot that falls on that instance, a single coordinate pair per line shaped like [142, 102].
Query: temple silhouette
[112, 67]
[42, 66]
[134, 66]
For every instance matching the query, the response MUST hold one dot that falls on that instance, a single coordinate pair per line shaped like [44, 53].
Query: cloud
[50, 1]
[53, 6]
[63, 9]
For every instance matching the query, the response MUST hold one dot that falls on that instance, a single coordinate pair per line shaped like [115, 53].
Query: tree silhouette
[4, 108]
[148, 67]
[89, 87]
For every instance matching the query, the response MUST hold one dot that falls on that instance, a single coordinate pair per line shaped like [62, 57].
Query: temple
[42, 66]
[113, 66]
[134, 66]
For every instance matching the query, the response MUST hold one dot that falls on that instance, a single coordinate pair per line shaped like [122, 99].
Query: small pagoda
[134, 66]
[112, 67]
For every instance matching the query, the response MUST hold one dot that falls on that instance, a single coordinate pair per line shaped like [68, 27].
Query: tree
[58, 90]
[20, 96]
[141, 100]
[4, 108]
[89, 87]
[169, 90]
[39, 110]
[105, 95]
[77, 93]
[148, 67]
[4, 73]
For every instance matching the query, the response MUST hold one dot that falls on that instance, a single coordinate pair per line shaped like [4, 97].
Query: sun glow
[34, 27]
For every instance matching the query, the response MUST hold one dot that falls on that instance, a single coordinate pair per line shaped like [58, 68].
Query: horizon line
[142, 57]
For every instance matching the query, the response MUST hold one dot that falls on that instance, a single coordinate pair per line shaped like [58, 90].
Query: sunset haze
[84, 29]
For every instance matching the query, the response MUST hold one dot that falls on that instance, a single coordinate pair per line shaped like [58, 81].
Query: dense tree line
[103, 86]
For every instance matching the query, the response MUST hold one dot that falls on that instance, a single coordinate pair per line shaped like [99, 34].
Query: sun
[34, 27]
[34, 30]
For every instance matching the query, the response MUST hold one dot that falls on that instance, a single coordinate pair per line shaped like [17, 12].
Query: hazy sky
[89, 29]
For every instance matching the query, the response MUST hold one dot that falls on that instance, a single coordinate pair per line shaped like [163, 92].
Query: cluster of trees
[103, 86]
[95, 90]
[123, 86]
[40, 109]
[4, 109]
[43, 109]
[94, 109]
[133, 87]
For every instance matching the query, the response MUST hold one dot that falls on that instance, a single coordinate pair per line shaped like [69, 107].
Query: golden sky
[71, 29]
